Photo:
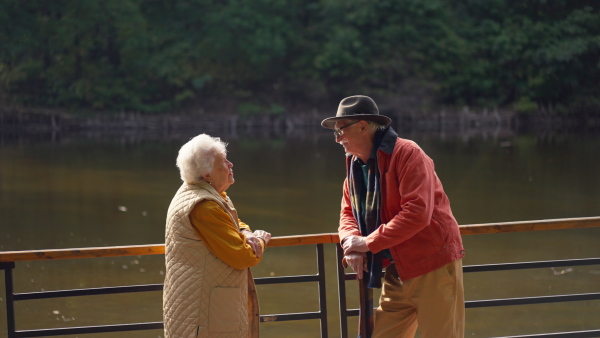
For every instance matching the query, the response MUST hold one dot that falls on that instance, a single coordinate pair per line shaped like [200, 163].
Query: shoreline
[29, 123]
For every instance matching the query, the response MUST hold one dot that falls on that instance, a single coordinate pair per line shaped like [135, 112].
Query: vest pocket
[225, 310]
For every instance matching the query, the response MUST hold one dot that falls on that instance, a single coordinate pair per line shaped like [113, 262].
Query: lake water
[66, 191]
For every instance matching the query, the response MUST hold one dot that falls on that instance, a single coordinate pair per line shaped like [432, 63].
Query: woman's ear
[206, 177]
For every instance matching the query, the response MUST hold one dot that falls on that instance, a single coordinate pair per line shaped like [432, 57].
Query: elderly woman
[208, 250]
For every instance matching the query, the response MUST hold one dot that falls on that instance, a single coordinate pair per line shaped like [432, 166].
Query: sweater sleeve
[243, 226]
[348, 225]
[216, 229]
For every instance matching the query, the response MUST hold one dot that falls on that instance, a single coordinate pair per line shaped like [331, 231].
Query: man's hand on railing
[354, 244]
[357, 261]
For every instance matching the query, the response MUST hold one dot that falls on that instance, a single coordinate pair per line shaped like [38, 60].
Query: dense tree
[547, 52]
[157, 55]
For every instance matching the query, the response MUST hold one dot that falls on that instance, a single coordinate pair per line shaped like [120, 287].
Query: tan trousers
[434, 302]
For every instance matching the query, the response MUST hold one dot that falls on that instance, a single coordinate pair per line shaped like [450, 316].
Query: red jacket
[417, 223]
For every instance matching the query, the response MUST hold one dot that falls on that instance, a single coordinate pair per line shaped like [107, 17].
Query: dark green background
[270, 56]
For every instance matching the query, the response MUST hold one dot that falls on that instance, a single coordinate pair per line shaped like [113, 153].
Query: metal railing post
[10, 304]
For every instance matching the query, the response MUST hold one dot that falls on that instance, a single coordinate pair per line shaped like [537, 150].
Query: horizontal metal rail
[88, 329]
[286, 279]
[522, 300]
[87, 292]
[532, 300]
[517, 266]
[573, 334]
[531, 265]
[289, 316]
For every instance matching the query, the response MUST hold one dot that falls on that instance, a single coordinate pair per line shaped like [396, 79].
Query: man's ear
[364, 126]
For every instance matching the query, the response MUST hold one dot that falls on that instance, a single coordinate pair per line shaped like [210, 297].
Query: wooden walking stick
[365, 311]
[365, 307]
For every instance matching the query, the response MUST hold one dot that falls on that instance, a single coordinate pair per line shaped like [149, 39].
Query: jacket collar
[387, 139]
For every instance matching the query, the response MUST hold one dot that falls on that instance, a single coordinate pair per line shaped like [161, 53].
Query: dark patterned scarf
[366, 206]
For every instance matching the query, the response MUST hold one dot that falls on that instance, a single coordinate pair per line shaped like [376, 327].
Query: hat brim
[329, 122]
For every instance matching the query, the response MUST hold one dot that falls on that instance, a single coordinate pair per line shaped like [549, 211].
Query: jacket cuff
[371, 244]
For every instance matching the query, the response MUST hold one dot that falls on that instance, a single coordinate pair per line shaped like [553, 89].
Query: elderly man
[395, 213]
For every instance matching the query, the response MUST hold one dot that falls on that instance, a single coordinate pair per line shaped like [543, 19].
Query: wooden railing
[157, 249]
[9, 258]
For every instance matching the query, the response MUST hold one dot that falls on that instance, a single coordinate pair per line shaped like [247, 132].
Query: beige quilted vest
[203, 296]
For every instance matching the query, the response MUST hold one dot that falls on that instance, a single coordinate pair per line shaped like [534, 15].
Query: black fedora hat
[357, 107]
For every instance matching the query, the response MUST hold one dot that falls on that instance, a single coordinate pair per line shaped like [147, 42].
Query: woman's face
[221, 175]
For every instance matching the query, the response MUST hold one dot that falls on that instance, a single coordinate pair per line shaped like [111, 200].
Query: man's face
[350, 136]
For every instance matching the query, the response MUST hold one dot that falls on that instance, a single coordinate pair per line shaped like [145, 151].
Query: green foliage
[275, 109]
[382, 43]
[247, 109]
[544, 50]
[525, 105]
[153, 56]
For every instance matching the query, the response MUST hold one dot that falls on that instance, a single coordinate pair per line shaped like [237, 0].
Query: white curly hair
[197, 157]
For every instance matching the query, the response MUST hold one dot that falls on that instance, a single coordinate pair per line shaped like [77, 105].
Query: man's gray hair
[197, 157]
[374, 126]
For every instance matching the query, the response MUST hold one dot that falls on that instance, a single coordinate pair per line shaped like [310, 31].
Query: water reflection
[102, 189]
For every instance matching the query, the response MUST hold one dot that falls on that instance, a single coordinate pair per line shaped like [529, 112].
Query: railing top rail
[538, 225]
[156, 249]
[150, 249]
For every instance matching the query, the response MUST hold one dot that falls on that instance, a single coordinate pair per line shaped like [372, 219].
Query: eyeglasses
[338, 132]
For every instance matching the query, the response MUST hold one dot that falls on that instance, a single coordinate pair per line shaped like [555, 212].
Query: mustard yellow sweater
[216, 229]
